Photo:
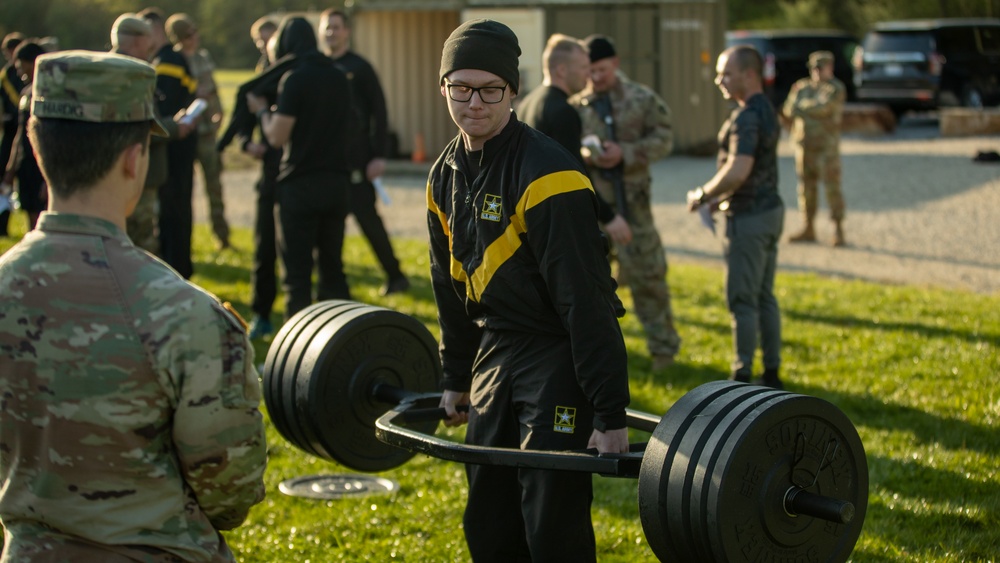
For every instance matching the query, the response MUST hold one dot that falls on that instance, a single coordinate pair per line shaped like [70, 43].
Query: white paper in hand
[193, 111]
[380, 190]
[705, 213]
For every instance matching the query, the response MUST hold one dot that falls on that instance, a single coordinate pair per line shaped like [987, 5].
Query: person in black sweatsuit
[311, 120]
[529, 331]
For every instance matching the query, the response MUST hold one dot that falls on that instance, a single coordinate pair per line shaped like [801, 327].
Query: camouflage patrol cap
[819, 58]
[94, 87]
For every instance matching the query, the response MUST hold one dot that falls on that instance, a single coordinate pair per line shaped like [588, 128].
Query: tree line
[225, 24]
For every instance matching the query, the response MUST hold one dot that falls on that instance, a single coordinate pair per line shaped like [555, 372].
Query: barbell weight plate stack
[321, 371]
[282, 364]
[720, 463]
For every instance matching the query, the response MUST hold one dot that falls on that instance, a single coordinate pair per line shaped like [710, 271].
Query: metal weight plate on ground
[331, 367]
[326, 487]
[281, 366]
[720, 463]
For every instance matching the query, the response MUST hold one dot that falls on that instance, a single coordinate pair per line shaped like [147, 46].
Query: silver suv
[926, 64]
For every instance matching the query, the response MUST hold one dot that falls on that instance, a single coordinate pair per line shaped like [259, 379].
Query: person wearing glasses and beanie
[530, 339]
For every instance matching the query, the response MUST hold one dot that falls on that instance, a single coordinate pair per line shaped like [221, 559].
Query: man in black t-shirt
[746, 189]
[566, 69]
[311, 120]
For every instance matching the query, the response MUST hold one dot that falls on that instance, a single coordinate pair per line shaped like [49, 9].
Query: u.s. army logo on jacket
[565, 420]
[491, 209]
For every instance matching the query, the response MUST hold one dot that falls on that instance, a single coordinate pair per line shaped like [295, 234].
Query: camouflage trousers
[211, 166]
[141, 225]
[642, 266]
[815, 162]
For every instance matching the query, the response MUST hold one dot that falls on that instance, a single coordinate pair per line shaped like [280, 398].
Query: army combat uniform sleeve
[821, 102]
[657, 138]
[218, 429]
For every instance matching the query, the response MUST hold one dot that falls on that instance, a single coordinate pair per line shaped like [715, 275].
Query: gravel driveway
[919, 211]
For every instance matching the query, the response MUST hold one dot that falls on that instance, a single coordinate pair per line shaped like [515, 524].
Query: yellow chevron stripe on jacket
[455, 267]
[178, 72]
[501, 249]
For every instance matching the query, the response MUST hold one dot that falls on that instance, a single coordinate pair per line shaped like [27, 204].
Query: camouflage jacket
[816, 109]
[129, 422]
[643, 127]
[203, 70]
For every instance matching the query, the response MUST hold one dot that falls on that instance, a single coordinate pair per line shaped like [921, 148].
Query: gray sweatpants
[751, 252]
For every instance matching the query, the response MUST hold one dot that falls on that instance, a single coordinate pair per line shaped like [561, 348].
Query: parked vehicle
[786, 54]
[926, 64]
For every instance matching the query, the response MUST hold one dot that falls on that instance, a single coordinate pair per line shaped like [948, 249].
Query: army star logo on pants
[565, 420]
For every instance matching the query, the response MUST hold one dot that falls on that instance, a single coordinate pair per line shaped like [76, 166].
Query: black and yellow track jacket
[518, 249]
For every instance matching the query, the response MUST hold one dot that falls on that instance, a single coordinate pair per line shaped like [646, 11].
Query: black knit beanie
[482, 45]
[599, 47]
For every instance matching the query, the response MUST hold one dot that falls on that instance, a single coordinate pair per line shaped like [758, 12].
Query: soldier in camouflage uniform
[130, 428]
[643, 134]
[132, 36]
[184, 35]
[815, 106]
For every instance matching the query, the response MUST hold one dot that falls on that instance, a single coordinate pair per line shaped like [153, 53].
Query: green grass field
[915, 369]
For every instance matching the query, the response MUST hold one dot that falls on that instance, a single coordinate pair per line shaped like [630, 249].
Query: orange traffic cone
[419, 152]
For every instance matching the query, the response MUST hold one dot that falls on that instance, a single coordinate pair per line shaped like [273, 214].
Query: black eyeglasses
[488, 94]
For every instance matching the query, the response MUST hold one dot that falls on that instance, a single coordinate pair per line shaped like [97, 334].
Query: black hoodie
[295, 46]
[318, 96]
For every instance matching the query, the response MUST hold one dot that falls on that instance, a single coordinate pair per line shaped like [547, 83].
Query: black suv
[786, 54]
[926, 64]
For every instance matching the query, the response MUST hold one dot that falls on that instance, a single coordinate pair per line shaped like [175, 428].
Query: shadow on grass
[914, 480]
[927, 428]
[913, 531]
[219, 273]
[924, 330]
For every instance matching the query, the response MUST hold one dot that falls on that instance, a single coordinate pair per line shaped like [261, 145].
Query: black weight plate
[281, 366]
[735, 407]
[718, 466]
[667, 471]
[338, 371]
[316, 336]
[746, 517]
[272, 375]
[274, 370]
[318, 317]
